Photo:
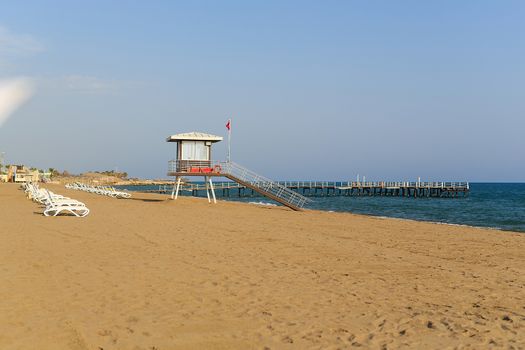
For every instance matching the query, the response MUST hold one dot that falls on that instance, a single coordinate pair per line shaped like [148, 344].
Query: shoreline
[447, 223]
[504, 211]
[432, 222]
[387, 217]
[268, 204]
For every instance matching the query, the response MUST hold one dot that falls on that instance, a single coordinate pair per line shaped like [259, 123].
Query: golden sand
[151, 273]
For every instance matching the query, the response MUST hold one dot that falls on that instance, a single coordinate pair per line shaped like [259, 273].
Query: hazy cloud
[13, 93]
[85, 84]
[12, 44]
[88, 84]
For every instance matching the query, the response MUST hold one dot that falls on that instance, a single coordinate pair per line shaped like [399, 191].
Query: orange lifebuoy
[217, 169]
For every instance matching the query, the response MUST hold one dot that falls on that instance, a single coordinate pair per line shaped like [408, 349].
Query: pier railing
[331, 184]
[375, 184]
[408, 184]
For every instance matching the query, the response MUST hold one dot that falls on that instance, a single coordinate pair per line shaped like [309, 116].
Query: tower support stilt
[212, 191]
[176, 187]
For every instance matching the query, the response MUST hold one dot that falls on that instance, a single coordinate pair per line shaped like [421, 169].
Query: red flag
[228, 124]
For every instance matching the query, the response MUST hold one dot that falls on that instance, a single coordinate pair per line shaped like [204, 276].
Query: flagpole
[229, 139]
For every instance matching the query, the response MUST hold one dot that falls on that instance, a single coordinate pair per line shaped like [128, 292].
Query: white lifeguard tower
[193, 158]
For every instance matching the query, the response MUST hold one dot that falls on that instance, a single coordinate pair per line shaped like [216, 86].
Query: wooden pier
[338, 188]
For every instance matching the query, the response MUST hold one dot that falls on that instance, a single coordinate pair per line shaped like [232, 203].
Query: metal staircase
[264, 186]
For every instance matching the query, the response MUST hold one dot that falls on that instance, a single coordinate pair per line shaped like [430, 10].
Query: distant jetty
[338, 188]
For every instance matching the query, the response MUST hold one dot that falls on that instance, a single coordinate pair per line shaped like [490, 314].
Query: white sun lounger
[55, 206]
[101, 190]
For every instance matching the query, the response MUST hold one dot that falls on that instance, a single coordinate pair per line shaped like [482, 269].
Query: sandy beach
[151, 273]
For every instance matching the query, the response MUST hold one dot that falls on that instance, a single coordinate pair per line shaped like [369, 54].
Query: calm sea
[495, 205]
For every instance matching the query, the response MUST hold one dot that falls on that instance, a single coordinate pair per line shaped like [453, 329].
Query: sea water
[494, 205]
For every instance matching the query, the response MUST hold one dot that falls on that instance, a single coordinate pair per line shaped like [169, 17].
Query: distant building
[20, 173]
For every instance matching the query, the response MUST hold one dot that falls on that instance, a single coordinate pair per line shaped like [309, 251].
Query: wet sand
[151, 273]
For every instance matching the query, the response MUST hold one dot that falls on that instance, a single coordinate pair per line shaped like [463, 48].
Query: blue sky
[317, 90]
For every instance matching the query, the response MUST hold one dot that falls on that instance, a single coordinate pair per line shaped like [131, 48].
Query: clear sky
[317, 90]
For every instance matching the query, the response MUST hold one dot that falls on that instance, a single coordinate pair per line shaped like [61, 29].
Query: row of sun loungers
[55, 204]
[102, 190]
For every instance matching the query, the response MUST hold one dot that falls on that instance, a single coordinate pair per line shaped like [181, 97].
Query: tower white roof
[194, 136]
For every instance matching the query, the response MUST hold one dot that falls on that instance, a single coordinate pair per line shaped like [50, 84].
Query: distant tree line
[55, 172]
[119, 174]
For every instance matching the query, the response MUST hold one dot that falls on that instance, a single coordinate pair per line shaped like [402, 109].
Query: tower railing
[266, 185]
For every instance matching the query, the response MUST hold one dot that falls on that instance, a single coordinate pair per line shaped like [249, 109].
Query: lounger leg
[212, 191]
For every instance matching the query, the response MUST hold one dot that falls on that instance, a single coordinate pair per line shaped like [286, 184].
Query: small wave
[438, 222]
[264, 203]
